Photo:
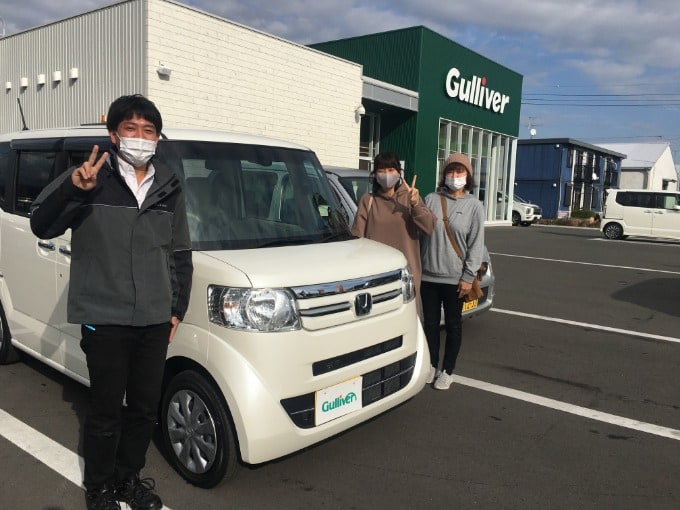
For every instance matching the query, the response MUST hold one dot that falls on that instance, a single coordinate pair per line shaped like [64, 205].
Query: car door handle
[46, 245]
[64, 250]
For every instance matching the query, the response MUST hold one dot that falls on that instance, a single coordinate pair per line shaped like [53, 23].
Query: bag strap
[368, 212]
[452, 239]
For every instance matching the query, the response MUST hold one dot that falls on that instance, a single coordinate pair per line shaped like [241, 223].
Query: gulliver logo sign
[475, 92]
[338, 400]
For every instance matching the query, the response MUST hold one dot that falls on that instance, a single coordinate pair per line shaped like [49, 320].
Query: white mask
[455, 183]
[387, 180]
[136, 151]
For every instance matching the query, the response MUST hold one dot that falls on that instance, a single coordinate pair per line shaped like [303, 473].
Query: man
[129, 289]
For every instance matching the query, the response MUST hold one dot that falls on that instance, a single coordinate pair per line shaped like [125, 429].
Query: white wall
[227, 76]
[664, 168]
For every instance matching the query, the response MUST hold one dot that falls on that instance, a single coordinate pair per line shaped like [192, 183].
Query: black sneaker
[138, 493]
[101, 499]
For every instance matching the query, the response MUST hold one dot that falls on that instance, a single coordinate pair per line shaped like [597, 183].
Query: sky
[594, 70]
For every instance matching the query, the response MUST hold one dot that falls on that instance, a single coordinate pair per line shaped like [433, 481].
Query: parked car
[349, 186]
[631, 212]
[525, 213]
[284, 343]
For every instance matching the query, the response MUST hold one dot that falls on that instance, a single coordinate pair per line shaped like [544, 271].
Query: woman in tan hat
[394, 214]
[447, 277]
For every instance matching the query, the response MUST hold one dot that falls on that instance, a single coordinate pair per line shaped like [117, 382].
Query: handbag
[475, 291]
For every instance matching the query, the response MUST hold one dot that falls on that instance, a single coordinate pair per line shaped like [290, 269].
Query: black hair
[469, 180]
[126, 107]
[385, 160]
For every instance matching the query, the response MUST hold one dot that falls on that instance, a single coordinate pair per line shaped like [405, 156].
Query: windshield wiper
[337, 236]
[286, 242]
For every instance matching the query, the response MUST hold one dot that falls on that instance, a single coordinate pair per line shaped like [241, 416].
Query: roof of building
[640, 155]
[574, 143]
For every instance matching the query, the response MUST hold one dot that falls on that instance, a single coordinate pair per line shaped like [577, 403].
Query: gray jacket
[130, 265]
[440, 262]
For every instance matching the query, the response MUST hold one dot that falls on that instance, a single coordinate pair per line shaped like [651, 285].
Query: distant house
[648, 166]
[564, 175]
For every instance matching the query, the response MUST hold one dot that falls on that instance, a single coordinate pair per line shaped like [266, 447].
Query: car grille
[332, 304]
[376, 385]
[344, 360]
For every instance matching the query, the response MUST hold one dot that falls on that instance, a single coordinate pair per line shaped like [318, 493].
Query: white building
[647, 165]
[202, 71]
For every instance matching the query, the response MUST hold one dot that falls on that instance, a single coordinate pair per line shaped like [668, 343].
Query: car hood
[289, 266]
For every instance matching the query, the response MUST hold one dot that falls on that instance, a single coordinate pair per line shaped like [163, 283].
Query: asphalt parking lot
[567, 397]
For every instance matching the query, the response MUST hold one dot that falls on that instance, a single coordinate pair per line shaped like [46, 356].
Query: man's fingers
[93, 155]
[100, 163]
[413, 182]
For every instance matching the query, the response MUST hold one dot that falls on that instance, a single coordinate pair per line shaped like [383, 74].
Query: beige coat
[394, 222]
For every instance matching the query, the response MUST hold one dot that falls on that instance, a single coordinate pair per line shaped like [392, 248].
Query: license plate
[470, 305]
[337, 400]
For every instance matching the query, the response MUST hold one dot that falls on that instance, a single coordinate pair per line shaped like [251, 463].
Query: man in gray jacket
[129, 289]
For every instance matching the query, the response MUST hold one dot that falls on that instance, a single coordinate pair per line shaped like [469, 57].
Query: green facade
[419, 59]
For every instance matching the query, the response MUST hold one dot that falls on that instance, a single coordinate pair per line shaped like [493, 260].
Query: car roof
[636, 190]
[343, 171]
[204, 135]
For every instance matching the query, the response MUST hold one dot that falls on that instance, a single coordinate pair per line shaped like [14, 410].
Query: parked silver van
[284, 343]
[635, 212]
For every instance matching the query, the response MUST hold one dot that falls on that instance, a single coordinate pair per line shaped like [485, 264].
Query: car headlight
[408, 288]
[253, 309]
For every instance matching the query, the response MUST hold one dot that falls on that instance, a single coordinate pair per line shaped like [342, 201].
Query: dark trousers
[121, 360]
[433, 296]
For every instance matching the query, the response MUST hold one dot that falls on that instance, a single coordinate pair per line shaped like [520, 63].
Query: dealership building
[409, 91]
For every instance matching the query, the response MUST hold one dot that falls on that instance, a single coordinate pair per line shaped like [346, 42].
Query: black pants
[128, 361]
[433, 295]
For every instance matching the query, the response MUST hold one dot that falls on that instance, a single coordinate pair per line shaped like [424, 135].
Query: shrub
[583, 214]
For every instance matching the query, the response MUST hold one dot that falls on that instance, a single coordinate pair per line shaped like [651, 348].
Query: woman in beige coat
[394, 214]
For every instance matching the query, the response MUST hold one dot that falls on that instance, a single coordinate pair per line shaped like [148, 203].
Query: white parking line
[613, 419]
[55, 456]
[587, 263]
[588, 325]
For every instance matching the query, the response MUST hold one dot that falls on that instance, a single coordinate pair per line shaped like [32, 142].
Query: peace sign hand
[413, 194]
[85, 176]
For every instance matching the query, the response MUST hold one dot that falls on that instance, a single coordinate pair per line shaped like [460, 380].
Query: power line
[544, 103]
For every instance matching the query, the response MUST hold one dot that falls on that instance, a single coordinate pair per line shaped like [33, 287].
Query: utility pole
[532, 126]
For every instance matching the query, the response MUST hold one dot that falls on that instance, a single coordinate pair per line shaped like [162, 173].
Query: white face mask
[136, 151]
[455, 183]
[387, 180]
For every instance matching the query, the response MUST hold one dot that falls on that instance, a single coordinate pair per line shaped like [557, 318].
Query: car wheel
[613, 231]
[197, 431]
[7, 353]
[516, 218]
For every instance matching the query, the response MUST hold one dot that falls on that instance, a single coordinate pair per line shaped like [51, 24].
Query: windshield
[356, 186]
[249, 196]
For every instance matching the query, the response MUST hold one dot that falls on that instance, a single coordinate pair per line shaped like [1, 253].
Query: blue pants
[122, 360]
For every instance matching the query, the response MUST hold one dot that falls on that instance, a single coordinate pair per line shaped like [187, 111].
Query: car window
[356, 187]
[242, 196]
[667, 201]
[636, 199]
[5, 160]
[34, 173]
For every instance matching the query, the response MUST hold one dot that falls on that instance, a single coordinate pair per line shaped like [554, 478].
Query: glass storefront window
[490, 155]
